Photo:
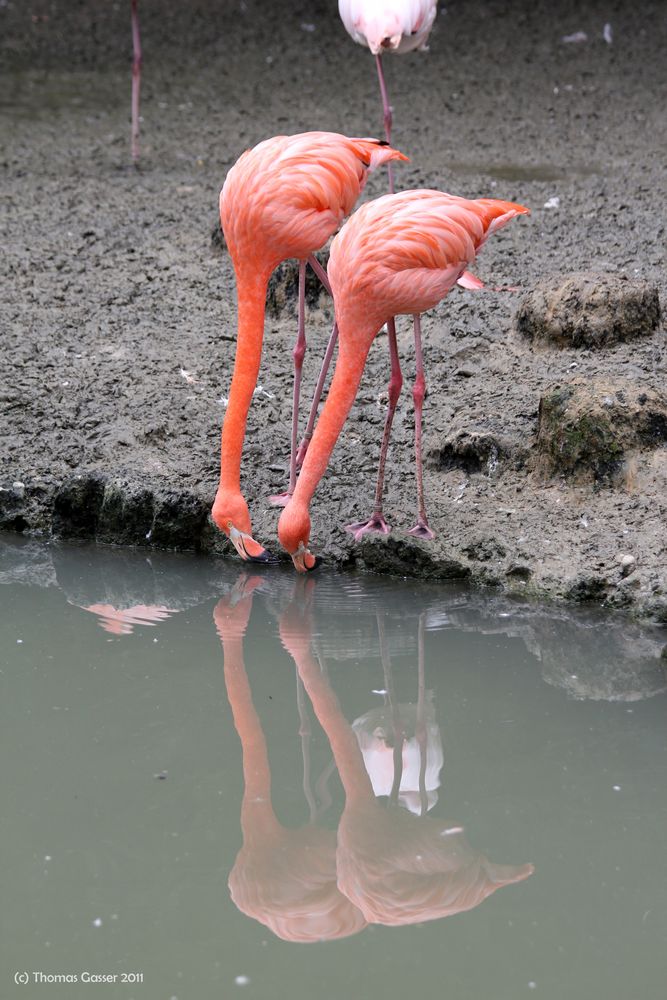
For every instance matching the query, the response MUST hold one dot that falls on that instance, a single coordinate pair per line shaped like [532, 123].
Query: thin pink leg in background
[136, 81]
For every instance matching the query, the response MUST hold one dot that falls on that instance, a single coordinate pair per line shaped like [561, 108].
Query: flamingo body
[283, 198]
[398, 254]
[388, 25]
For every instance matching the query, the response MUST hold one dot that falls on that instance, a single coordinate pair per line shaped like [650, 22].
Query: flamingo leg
[136, 81]
[388, 116]
[326, 361]
[377, 520]
[281, 499]
[421, 735]
[398, 733]
[421, 529]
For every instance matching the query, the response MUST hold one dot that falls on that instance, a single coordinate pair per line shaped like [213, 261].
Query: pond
[221, 782]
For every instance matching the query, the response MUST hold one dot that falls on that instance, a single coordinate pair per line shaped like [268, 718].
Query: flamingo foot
[375, 523]
[280, 499]
[422, 530]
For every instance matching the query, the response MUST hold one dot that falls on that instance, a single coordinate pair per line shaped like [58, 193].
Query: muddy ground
[118, 312]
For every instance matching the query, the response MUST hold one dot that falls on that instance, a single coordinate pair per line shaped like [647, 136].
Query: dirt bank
[118, 315]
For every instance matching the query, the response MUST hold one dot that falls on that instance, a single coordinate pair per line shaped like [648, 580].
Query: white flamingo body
[388, 25]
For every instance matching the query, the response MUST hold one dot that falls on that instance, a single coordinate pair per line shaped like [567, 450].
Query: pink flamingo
[136, 79]
[388, 26]
[398, 254]
[282, 199]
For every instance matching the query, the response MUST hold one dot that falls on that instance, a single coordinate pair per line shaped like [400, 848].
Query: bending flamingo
[388, 26]
[398, 254]
[282, 199]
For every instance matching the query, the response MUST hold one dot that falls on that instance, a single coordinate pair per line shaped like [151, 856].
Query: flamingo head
[230, 513]
[294, 533]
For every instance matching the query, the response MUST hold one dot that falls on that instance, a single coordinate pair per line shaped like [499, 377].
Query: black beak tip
[266, 559]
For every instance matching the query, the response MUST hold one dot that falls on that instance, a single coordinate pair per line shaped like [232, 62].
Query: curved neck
[352, 356]
[251, 290]
[344, 745]
[256, 770]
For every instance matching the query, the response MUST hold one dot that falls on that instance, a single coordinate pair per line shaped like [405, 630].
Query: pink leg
[320, 272]
[136, 81]
[326, 361]
[377, 521]
[281, 499]
[319, 389]
[388, 118]
[421, 529]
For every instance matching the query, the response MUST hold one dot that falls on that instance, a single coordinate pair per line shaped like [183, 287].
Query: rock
[127, 514]
[409, 556]
[284, 285]
[76, 506]
[472, 451]
[627, 562]
[588, 309]
[586, 428]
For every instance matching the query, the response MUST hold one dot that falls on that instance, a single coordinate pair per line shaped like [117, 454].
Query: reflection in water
[285, 878]
[396, 867]
[121, 621]
[591, 654]
[125, 589]
[401, 744]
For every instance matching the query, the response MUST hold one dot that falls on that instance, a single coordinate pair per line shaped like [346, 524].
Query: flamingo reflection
[284, 878]
[396, 867]
[121, 621]
[400, 743]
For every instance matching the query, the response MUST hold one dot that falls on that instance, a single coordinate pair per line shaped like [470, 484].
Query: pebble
[627, 562]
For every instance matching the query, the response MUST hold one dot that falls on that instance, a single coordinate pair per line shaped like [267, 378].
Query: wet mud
[118, 308]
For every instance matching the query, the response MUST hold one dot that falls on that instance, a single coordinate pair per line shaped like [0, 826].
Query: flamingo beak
[304, 561]
[248, 548]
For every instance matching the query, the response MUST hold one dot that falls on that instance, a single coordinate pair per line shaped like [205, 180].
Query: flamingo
[396, 867]
[398, 254]
[136, 79]
[388, 26]
[284, 878]
[283, 198]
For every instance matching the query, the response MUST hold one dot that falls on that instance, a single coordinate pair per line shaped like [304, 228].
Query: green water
[538, 732]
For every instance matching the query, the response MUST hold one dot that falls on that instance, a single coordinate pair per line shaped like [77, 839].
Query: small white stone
[97, 922]
[617, 788]
[242, 980]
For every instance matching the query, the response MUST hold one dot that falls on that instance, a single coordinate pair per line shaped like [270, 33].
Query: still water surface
[241, 784]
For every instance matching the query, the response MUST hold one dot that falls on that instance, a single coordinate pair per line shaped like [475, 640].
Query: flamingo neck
[251, 291]
[256, 770]
[344, 746]
[344, 386]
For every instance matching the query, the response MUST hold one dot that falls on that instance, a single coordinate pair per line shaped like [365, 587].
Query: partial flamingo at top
[388, 25]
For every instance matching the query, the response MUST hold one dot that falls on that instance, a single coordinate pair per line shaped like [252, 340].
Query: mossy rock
[588, 310]
[284, 285]
[586, 429]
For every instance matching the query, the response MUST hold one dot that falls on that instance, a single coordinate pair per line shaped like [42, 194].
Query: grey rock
[587, 428]
[588, 309]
